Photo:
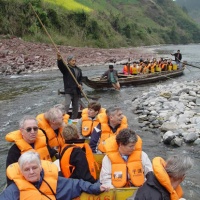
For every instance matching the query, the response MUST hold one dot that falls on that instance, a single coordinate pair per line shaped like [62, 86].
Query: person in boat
[62, 108]
[51, 123]
[110, 123]
[89, 118]
[76, 157]
[72, 89]
[28, 137]
[164, 181]
[125, 164]
[128, 68]
[112, 77]
[38, 179]
[177, 56]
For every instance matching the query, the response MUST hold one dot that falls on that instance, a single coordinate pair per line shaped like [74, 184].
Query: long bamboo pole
[185, 63]
[59, 53]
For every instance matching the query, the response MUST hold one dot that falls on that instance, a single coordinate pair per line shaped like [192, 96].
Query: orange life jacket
[126, 71]
[66, 118]
[54, 140]
[106, 131]
[88, 124]
[120, 168]
[40, 144]
[28, 190]
[159, 170]
[66, 151]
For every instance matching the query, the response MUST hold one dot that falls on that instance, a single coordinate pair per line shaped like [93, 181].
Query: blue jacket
[67, 189]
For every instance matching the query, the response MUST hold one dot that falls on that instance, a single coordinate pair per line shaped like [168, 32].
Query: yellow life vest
[159, 170]
[158, 68]
[27, 190]
[66, 151]
[174, 67]
[40, 144]
[120, 168]
[89, 124]
[170, 67]
[54, 140]
[106, 131]
[135, 70]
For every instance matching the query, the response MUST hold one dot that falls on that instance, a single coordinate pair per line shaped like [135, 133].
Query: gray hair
[69, 58]
[61, 107]
[29, 157]
[126, 136]
[52, 114]
[111, 110]
[25, 118]
[178, 165]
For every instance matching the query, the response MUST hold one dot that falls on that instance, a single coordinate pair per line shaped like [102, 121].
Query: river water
[36, 93]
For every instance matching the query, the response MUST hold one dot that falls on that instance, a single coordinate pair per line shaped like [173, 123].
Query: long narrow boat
[127, 80]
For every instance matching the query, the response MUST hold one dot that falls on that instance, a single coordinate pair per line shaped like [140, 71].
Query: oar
[59, 52]
[185, 63]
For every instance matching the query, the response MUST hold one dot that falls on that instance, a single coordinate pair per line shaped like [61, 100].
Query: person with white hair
[51, 123]
[71, 88]
[164, 182]
[27, 138]
[37, 179]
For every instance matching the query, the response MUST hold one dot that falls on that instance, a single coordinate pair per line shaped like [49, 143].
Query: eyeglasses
[31, 128]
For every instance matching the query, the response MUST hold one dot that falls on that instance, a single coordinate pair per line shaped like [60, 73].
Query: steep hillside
[99, 23]
[192, 7]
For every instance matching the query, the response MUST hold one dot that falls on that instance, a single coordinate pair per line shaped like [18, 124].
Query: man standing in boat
[112, 77]
[72, 89]
[178, 57]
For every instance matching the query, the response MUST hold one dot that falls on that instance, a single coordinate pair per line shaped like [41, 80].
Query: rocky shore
[19, 57]
[172, 110]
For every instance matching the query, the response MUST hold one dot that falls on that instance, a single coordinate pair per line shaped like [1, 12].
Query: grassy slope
[106, 23]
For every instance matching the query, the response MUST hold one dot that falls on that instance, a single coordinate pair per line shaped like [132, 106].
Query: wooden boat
[127, 80]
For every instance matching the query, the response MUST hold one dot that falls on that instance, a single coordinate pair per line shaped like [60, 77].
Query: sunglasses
[31, 128]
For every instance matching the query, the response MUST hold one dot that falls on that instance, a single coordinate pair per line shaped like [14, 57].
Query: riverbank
[20, 57]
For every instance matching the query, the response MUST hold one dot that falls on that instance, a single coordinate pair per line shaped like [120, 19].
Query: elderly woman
[76, 158]
[36, 179]
[125, 164]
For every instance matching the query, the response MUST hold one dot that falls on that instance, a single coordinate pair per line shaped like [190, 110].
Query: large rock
[167, 126]
[190, 137]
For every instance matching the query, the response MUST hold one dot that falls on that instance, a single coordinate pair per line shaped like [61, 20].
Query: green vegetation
[99, 23]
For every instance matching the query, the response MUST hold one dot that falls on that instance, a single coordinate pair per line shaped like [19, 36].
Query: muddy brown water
[36, 93]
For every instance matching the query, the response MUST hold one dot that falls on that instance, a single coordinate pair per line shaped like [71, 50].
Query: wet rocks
[172, 109]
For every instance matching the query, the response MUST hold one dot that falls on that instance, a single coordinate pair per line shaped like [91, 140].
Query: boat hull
[131, 80]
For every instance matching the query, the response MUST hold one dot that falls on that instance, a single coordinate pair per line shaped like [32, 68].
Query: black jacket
[79, 161]
[152, 190]
[70, 85]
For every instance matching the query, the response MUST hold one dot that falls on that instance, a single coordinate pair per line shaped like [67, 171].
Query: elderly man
[89, 118]
[125, 164]
[36, 179]
[72, 89]
[110, 124]
[28, 137]
[164, 181]
[51, 123]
